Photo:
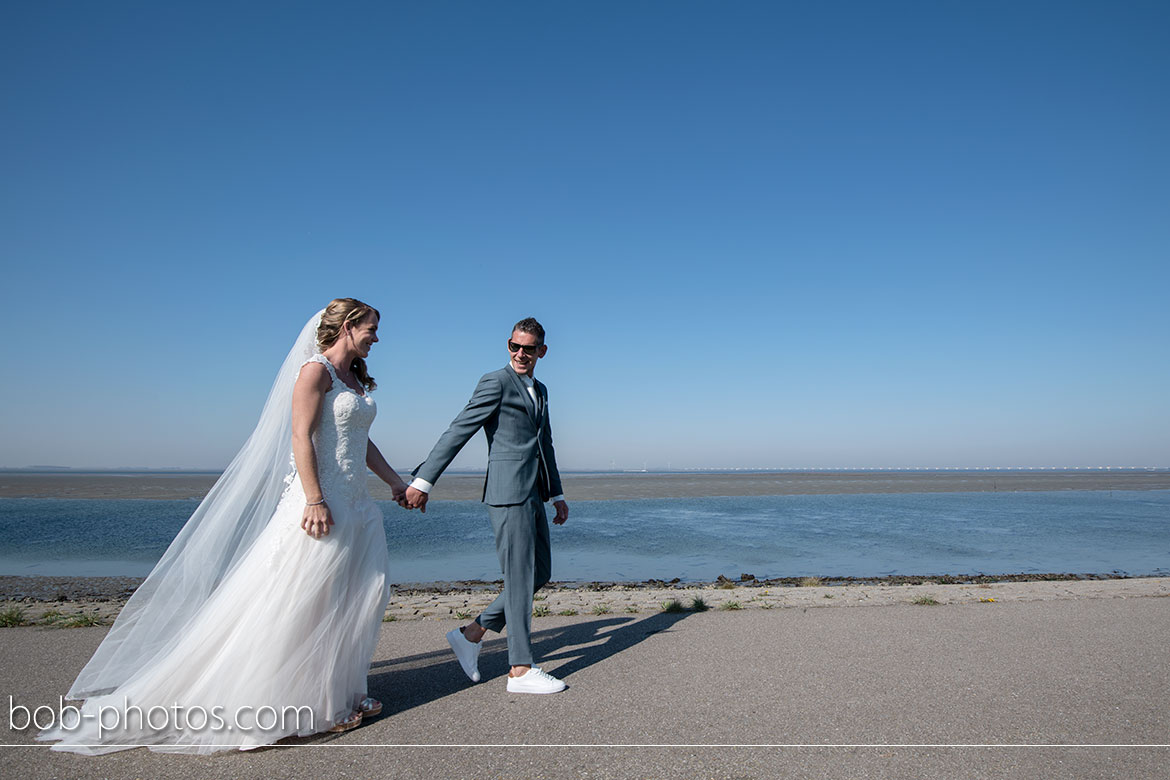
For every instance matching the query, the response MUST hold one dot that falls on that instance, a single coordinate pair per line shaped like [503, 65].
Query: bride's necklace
[348, 378]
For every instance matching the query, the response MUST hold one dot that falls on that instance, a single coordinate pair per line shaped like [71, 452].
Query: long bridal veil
[212, 541]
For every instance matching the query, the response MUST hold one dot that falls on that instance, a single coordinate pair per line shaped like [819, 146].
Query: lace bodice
[341, 439]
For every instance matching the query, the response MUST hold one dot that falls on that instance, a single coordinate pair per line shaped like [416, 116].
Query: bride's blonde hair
[337, 313]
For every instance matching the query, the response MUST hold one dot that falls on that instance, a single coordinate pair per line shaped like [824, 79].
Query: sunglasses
[529, 349]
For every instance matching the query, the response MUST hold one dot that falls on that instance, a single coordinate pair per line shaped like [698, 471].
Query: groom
[512, 408]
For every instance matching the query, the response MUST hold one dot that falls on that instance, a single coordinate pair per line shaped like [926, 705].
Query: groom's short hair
[530, 326]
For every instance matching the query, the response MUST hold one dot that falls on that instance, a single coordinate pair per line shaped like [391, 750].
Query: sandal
[352, 722]
[369, 706]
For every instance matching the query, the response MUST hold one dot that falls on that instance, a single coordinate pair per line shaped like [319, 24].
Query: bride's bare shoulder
[315, 375]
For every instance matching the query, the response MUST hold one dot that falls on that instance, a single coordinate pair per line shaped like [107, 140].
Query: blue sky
[768, 234]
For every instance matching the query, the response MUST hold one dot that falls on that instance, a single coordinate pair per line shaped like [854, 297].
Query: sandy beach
[82, 601]
[599, 487]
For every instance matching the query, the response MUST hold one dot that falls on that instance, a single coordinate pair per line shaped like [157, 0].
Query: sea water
[694, 539]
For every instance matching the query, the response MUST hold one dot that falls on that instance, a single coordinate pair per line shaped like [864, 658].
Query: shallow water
[1098, 532]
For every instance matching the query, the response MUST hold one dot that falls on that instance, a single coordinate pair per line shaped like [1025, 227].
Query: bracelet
[316, 503]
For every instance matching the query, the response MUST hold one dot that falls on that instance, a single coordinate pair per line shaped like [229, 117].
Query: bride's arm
[308, 399]
[378, 464]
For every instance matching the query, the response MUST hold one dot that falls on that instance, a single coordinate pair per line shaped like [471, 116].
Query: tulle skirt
[281, 648]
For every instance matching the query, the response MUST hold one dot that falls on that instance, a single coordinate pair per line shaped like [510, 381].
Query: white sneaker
[466, 651]
[535, 680]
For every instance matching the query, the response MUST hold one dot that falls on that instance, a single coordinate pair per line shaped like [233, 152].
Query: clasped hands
[410, 498]
[413, 498]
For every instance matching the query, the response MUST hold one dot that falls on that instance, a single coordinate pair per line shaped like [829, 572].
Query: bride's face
[364, 334]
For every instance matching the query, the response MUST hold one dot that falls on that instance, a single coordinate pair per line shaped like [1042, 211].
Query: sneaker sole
[539, 693]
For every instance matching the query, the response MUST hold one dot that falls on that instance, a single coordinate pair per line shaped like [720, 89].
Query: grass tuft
[698, 605]
[50, 617]
[729, 605]
[540, 610]
[925, 601]
[13, 616]
[810, 582]
[567, 612]
[673, 606]
[601, 609]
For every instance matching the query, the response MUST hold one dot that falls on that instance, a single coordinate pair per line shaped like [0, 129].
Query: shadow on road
[585, 644]
[412, 681]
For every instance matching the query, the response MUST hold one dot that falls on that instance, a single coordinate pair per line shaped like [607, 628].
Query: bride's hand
[316, 520]
[399, 493]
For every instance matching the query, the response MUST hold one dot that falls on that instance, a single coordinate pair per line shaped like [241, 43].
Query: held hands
[316, 520]
[399, 493]
[416, 499]
[562, 513]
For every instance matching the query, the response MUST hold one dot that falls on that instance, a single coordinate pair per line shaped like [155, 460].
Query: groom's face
[522, 361]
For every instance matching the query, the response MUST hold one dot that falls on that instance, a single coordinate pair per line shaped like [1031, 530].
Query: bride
[260, 619]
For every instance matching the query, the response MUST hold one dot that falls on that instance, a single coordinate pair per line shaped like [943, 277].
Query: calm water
[695, 539]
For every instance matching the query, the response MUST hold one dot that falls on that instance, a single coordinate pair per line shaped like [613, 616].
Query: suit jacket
[519, 437]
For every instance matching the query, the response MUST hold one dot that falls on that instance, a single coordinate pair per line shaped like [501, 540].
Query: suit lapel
[518, 384]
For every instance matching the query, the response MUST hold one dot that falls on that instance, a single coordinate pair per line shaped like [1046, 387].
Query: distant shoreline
[626, 486]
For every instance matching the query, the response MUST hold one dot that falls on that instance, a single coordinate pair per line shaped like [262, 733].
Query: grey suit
[521, 475]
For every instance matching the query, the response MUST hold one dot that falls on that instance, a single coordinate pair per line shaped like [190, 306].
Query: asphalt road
[1025, 689]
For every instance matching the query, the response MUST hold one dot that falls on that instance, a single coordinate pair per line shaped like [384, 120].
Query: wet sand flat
[601, 487]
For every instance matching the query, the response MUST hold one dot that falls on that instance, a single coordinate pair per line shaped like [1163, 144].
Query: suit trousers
[522, 544]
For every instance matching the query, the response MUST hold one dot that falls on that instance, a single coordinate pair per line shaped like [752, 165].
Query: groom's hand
[416, 499]
[562, 513]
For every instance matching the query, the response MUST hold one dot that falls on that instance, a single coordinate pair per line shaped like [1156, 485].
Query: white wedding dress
[283, 645]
